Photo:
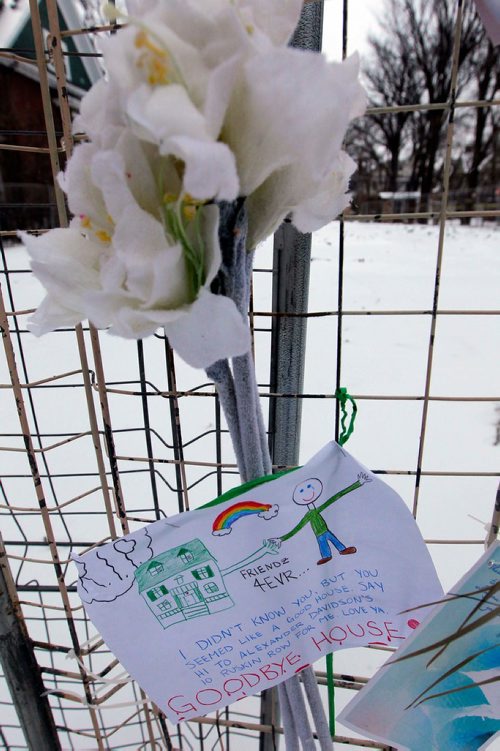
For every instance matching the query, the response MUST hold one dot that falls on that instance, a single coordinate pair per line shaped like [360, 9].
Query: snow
[388, 267]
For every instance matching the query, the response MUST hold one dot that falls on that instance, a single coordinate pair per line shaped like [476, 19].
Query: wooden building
[26, 192]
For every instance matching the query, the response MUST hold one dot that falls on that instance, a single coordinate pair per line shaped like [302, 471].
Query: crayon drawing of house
[183, 583]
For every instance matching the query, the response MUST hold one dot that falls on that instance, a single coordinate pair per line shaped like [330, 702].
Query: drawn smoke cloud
[109, 574]
[222, 532]
[270, 513]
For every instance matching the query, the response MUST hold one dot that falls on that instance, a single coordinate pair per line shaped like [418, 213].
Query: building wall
[26, 192]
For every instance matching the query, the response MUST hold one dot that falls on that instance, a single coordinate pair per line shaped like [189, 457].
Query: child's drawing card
[210, 606]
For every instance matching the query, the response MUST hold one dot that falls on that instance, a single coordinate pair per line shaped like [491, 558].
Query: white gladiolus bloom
[293, 157]
[173, 98]
[282, 112]
[123, 261]
[203, 103]
[292, 108]
[197, 21]
[101, 116]
[311, 204]
[177, 67]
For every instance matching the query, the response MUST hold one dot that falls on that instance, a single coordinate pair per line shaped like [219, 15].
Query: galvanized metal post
[291, 262]
[21, 670]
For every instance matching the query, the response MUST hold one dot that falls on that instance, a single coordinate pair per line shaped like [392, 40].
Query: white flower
[101, 115]
[212, 81]
[133, 260]
[292, 108]
[194, 20]
[173, 98]
[286, 124]
[311, 204]
[177, 66]
[203, 103]
[167, 117]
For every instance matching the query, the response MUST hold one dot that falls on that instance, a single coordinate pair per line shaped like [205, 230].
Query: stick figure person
[306, 494]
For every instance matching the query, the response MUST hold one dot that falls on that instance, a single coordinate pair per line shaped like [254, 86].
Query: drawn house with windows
[183, 583]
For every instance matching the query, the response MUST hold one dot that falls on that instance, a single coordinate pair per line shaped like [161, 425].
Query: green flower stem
[194, 255]
[239, 398]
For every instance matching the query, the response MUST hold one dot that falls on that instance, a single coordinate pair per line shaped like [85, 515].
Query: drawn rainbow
[230, 515]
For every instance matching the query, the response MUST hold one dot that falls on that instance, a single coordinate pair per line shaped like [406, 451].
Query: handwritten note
[208, 607]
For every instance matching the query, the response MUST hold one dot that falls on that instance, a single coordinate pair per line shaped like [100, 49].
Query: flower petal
[212, 330]
[155, 270]
[210, 168]
[50, 315]
[84, 199]
[101, 115]
[158, 113]
[109, 175]
[312, 204]
[211, 27]
[67, 265]
[210, 233]
[276, 19]
[330, 200]
[182, 60]
[123, 316]
[139, 171]
[218, 93]
[120, 64]
[59, 244]
[267, 126]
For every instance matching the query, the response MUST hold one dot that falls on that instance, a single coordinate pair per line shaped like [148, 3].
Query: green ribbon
[346, 431]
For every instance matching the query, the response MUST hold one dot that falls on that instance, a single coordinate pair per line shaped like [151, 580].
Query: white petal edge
[213, 329]
[210, 167]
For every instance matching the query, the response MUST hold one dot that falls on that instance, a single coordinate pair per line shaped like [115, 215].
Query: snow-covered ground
[387, 268]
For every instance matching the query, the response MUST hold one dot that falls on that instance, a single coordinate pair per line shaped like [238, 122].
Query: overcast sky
[361, 21]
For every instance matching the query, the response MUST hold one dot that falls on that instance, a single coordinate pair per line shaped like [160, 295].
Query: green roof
[172, 563]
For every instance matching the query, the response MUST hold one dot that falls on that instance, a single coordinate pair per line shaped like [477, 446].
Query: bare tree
[411, 63]
[431, 24]
[478, 159]
[393, 80]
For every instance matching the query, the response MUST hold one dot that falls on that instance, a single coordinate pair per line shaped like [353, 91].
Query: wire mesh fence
[101, 436]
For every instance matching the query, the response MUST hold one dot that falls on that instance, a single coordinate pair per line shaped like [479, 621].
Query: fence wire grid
[100, 436]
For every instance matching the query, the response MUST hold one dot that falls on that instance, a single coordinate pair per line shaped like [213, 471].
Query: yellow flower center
[153, 59]
[190, 206]
[190, 201]
[103, 236]
[189, 212]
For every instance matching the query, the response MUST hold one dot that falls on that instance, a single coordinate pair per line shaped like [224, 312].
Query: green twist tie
[346, 431]
[343, 396]
[331, 693]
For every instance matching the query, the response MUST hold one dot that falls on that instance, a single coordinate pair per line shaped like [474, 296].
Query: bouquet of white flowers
[203, 102]
[199, 145]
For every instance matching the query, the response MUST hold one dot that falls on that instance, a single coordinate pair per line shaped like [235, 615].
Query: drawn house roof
[175, 561]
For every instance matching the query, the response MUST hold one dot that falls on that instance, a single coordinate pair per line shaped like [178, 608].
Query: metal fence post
[21, 670]
[291, 262]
